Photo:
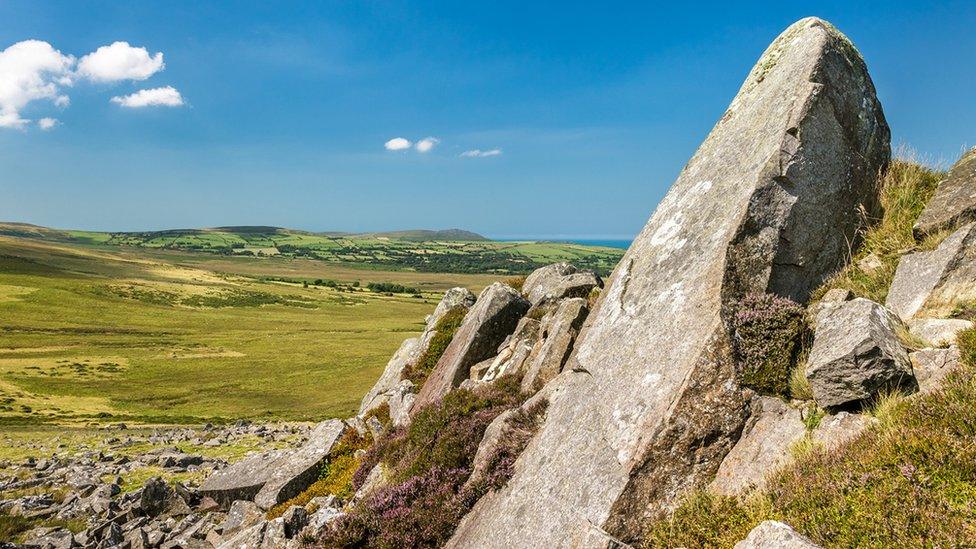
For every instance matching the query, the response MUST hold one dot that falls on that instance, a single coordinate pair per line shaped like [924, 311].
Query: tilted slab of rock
[856, 354]
[648, 405]
[242, 480]
[298, 469]
[934, 282]
[410, 350]
[492, 318]
[763, 447]
[939, 332]
[558, 281]
[932, 365]
[559, 331]
[513, 353]
[954, 202]
[771, 534]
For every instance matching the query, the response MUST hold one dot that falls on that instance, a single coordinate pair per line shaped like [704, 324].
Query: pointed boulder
[648, 404]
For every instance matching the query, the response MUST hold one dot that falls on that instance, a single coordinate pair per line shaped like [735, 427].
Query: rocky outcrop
[297, 469]
[242, 480]
[492, 318]
[934, 282]
[954, 201]
[390, 388]
[856, 355]
[771, 534]
[559, 281]
[559, 329]
[648, 405]
[513, 353]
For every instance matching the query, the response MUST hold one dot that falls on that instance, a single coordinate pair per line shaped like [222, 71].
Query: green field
[98, 335]
[420, 251]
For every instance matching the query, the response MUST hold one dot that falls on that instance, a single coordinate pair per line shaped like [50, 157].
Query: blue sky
[286, 108]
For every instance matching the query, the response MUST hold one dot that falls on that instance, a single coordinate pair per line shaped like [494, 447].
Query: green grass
[910, 481]
[905, 189]
[96, 335]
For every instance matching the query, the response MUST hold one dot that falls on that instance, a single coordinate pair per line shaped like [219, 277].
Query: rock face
[408, 352]
[955, 200]
[296, 470]
[485, 327]
[558, 281]
[935, 281]
[648, 404]
[940, 332]
[856, 354]
[771, 534]
[931, 365]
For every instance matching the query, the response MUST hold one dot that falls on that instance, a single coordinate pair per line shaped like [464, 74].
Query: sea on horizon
[622, 243]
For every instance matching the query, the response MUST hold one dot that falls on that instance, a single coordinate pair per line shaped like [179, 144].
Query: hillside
[448, 251]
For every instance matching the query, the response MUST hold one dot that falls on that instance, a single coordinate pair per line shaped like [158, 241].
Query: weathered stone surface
[835, 430]
[762, 449]
[514, 351]
[455, 297]
[242, 480]
[771, 534]
[939, 332]
[408, 352]
[493, 437]
[401, 401]
[830, 299]
[559, 330]
[954, 202]
[241, 514]
[856, 354]
[248, 538]
[934, 282]
[931, 365]
[492, 318]
[298, 469]
[648, 404]
[558, 281]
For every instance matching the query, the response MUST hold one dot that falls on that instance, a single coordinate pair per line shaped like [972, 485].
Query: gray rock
[249, 538]
[514, 352]
[762, 449]
[294, 519]
[771, 534]
[954, 202]
[242, 480]
[374, 480]
[49, 538]
[938, 332]
[408, 352]
[648, 405]
[931, 365]
[401, 402]
[934, 282]
[156, 497]
[241, 514]
[836, 430]
[494, 435]
[298, 469]
[870, 263]
[558, 334]
[856, 355]
[493, 317]
[453, 298]
[558, 281]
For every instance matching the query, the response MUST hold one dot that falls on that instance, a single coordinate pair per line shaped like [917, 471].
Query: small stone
[931, 365]
[771, 534]
[938, 332]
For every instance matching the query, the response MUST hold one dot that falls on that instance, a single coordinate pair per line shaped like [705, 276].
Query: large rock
[932, 365]
[513, 353]
[954, 202]
[762, 449]
[558, 281]
[559, 331]
[389, 386]
[940, 332]
[298, 469]
[493, 317]
[242, 480]
[648, 405]
[856, 354]
[935, 282]
[771, 534]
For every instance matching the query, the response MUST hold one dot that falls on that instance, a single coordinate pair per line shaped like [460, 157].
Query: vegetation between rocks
[909, 481]
[767, 330]
[445, 329]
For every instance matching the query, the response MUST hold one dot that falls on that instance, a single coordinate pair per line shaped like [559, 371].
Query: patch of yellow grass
[14, 293]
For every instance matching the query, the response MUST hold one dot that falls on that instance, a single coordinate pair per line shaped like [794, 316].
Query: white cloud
[120, 61]
[426, 144]
[155, 97]
[397, 144]
[29, 71]
[47, 123]
[478, 153]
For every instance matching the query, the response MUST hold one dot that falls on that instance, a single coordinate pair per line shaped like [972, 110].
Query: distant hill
[441, 251]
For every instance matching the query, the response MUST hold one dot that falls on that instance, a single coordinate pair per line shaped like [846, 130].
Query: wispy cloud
[155, 97]
[397, 144]
[426, 144]
[47, 123]
[478, 153]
